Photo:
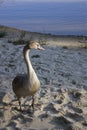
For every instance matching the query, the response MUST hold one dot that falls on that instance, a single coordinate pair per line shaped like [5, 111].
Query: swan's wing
[20, 80]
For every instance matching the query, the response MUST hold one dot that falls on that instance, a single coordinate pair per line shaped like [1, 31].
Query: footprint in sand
[60, 122]
[50, 107]
[75, 95]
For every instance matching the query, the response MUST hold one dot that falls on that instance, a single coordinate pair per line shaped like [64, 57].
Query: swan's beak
[41, 48]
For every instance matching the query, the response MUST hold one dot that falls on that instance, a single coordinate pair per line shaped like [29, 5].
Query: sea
[58, 18]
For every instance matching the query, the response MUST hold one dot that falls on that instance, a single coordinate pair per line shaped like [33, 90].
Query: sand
[61, 103]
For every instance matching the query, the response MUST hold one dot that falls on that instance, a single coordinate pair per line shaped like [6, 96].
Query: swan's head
[35, 45]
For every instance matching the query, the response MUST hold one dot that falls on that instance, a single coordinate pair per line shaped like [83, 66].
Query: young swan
[27, 84]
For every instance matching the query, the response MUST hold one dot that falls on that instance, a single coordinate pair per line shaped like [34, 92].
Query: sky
[43, 0]
[2, 1]
[53, 0]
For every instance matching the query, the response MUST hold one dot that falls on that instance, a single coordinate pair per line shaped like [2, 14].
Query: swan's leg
[19, 104]
[32, 103]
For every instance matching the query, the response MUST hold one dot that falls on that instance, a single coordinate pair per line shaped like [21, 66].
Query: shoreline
[49, 39]
[2, 27]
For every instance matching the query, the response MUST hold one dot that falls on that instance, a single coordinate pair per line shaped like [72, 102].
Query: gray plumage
[27, 84]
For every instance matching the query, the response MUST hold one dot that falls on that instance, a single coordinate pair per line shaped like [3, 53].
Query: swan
[24, 85]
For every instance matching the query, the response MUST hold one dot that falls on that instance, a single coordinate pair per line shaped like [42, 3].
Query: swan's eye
[38, 45]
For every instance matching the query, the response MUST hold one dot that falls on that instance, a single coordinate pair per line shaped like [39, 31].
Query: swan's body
[27, 84]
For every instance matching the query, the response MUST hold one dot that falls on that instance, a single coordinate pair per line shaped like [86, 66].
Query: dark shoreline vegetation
[42, 37]
[4, 28]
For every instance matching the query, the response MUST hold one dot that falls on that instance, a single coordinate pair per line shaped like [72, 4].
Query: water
[63, 18]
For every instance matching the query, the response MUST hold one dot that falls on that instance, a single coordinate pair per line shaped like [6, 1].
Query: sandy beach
[61, 103]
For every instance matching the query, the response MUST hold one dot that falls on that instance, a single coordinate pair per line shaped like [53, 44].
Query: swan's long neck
[33, 81]
[30, 69]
